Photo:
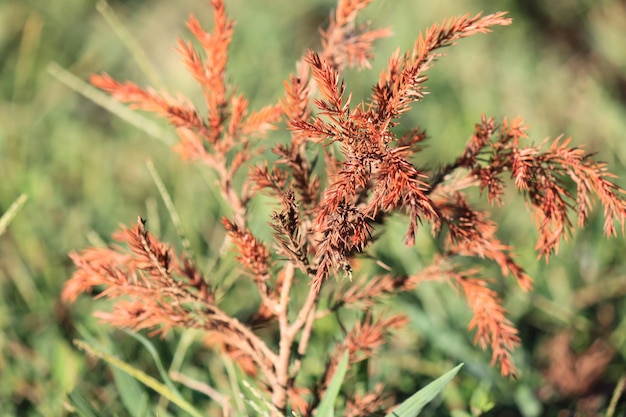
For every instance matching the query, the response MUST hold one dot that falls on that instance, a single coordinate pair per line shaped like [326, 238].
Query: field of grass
[561, 66]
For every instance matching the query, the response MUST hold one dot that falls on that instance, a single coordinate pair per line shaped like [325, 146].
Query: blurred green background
[561, 66]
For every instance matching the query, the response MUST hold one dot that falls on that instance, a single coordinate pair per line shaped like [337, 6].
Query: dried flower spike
[329, 211]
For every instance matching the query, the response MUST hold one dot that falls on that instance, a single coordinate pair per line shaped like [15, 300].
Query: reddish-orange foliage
[325, 223]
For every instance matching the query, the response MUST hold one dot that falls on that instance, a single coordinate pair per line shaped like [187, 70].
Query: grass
[84, 171]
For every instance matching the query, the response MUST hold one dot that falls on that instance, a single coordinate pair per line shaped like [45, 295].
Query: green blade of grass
[81, 405]
[171, 209]
[10, 214]
[617, 393]
[141, 376]
[327, 405]
[233, 380]
[136, 51]
[114, 106]
[134, 395]
[157, 360]
[414, 404]
[258, 401]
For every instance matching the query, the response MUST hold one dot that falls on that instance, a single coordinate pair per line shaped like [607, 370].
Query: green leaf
[81, 405]
[480, 402]
[527, 402]
[260, 403]
[133, 395]
[326, 408]
[459, 413]
[414, 404]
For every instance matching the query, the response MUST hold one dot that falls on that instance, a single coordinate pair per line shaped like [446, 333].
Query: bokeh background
[561, 66]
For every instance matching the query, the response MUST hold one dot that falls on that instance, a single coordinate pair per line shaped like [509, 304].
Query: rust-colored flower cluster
[327, 220]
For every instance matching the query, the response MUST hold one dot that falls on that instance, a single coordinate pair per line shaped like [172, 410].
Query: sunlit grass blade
[114, 106]
[137, 52]
[142, 377]
[617, 393]
[414, 404]
[233, 380]
[152, 215]
[327, 405]
[10, 214]
[25, 66]
[258, 401]
[171, 209]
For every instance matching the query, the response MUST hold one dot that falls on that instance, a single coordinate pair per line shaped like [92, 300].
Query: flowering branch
[328, 215]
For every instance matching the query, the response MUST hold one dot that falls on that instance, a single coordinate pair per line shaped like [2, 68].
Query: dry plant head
[325, 221]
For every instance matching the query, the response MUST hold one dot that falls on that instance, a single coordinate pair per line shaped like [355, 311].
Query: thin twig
[205, 389]
[279, 394]
[309, 305]
[304, 342]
